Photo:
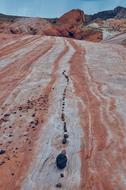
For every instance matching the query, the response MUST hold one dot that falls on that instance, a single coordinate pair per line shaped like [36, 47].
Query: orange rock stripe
[90, 118]
[17, 45]
[18, 70]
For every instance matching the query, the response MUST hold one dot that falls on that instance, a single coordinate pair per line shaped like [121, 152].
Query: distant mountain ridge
[117, 13]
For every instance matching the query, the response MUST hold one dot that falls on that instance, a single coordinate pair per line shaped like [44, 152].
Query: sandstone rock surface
[50, 86]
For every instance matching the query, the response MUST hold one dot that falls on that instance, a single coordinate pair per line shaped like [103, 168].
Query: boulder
[61, 161]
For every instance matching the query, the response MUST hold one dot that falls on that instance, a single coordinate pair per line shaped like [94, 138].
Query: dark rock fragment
[33, 115]
[61, 160]
[10, 135]
[6, 115]
[61, 175]
[66, 136]
[2, 151]
[58, 185]
[64, 141]
[65, 128]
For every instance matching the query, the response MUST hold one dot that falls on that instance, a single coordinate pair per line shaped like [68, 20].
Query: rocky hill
[111, 22]
[71, 25]
[117, 13]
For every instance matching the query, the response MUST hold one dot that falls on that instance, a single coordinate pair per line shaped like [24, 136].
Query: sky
[55, 8]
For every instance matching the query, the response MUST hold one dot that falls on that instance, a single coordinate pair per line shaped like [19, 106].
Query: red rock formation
[73, 18]
[72, 25]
